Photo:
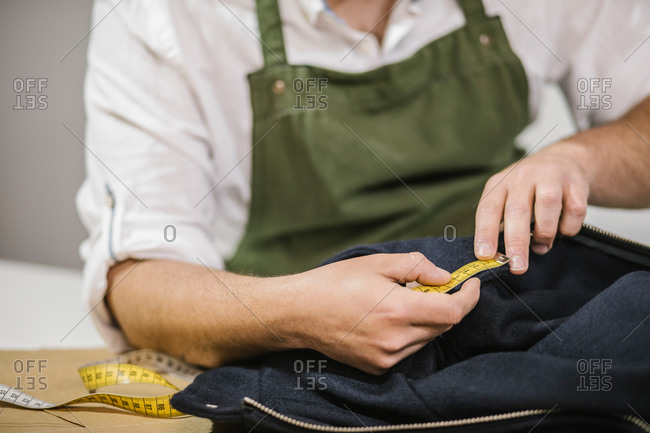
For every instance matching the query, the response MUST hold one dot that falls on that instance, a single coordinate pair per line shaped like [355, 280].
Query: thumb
[414, 266]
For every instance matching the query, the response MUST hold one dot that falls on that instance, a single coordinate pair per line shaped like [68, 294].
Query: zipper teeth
[435, 424]
[632, 419]
[614, 236]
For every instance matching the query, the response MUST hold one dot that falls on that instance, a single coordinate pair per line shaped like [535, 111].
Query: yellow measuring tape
[465, 272]
[117, 372]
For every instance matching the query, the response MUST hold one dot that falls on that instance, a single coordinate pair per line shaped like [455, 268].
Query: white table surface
[40, 305]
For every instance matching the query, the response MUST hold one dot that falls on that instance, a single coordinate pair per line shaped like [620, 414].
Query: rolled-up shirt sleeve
[147, 190]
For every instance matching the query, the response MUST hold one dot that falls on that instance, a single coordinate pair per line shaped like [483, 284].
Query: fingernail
[539, 248]
[445, 274]
[484, 249]
[517, 263]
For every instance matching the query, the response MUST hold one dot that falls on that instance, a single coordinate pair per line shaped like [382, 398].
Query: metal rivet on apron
[278, 87]
[485, 39]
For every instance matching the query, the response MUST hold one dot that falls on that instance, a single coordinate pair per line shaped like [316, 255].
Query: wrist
[282, 300]
[576, 151]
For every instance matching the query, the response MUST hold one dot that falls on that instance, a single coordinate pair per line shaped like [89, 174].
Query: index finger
[489, 214]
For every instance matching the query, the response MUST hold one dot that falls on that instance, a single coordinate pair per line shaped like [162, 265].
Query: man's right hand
[357, 312]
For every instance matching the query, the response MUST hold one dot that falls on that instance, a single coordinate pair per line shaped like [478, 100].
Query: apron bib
[401, 151]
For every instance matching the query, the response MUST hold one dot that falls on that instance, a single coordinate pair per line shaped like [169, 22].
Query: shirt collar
[313, 8]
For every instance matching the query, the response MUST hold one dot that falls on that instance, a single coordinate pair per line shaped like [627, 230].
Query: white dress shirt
[169, 116]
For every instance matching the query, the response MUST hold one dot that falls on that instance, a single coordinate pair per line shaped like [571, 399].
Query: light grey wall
[41, 163]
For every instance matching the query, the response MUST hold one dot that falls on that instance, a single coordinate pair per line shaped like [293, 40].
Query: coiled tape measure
[128, 368]
[466, 272]
[117, 371]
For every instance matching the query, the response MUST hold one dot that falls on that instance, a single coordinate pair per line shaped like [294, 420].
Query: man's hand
[606, 165]
[357, 312]
[550, 187]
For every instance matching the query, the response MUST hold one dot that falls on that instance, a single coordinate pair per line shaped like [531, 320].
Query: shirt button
[278, 87]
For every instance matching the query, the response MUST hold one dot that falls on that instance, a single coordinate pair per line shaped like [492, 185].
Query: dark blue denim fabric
[526, 345]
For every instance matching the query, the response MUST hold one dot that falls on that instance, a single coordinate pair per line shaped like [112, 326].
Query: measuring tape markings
[159, 361]
[116, 372]
[465, 272]
[155, 406]
[101, 375]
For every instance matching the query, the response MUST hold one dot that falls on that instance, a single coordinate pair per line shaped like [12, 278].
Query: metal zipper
[428, 425]
[615, 237]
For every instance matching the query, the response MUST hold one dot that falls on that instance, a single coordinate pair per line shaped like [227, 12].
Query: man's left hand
[550, 188]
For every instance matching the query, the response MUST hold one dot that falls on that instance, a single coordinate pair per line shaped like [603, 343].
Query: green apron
[402, 151]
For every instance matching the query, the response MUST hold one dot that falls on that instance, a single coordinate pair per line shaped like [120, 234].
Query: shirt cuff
[118, 242]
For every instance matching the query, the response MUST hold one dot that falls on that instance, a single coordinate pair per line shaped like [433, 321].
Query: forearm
[209, 317]
[616, 159]
[343, 310]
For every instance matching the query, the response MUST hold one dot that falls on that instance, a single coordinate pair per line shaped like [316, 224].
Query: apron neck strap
[272, 39]
[270, 23]
[473, 10]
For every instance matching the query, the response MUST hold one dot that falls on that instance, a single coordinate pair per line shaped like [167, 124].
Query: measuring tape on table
[117, 371]
[466, 272]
